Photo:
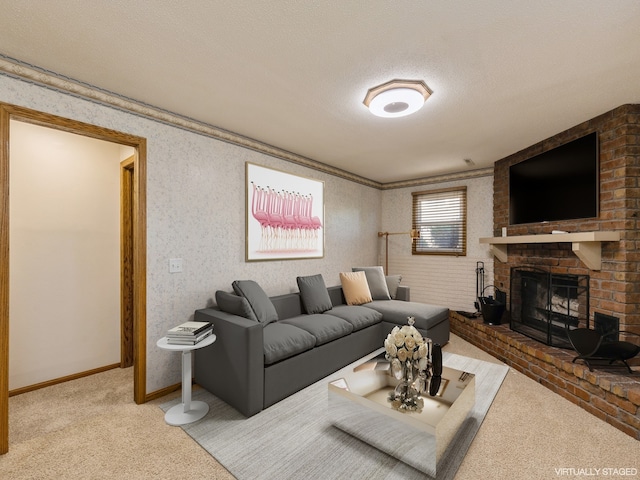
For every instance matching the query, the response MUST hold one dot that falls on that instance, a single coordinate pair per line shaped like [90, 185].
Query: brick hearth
[611, 395]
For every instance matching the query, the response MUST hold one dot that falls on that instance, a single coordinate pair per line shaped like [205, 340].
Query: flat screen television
[560, 184]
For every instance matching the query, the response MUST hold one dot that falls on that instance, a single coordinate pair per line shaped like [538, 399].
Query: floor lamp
[414, 234]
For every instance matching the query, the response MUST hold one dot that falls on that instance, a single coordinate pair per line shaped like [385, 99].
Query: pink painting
[285, 215]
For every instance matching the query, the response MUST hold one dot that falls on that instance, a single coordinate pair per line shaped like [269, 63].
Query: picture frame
[284, 215]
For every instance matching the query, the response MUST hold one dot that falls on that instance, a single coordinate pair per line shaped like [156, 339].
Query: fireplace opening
[543, 304]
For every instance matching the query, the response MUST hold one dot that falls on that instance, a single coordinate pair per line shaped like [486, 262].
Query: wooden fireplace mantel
[586, 245]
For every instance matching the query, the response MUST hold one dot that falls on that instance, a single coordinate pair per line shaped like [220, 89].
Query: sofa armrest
[232, 368]
[403, 293]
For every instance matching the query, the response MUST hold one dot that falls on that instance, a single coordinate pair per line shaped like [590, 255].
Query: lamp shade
[396, 102]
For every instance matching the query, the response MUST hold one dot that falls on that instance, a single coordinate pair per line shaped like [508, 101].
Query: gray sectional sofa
[269, 349]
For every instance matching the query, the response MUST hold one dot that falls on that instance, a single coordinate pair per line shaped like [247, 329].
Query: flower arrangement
[406, 344]
[409, 355]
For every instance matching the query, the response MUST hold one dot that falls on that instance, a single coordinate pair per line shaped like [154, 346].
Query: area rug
[295, 438]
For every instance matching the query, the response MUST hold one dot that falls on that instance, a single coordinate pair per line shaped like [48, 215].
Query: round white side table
[188, 411]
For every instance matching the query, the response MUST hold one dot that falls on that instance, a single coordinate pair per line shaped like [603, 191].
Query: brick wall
[611, 396]
[615, 289]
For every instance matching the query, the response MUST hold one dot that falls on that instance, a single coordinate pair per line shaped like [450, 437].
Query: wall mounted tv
[560, 184]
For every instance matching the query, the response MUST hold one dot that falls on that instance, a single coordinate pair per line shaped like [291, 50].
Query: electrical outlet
[175, 265]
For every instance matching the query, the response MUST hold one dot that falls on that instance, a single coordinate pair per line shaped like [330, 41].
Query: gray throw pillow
[235, 305]
[393, 282]
[260, 303]
[376, 281]
[314, 294]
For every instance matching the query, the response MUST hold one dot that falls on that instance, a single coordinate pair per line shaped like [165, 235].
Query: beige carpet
[91, 429]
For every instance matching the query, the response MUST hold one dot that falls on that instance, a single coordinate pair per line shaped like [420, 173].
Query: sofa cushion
[393, 282]
[262, 307]
[355, 288]
[314, 294]
[397, 311]
[235, 305]
[323, 327]
[283, 341]
[359, 317]
[375, 280]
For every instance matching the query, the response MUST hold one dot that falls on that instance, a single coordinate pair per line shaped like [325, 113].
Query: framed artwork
[284, 215]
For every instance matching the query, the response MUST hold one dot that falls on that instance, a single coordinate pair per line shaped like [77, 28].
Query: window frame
[419, 224]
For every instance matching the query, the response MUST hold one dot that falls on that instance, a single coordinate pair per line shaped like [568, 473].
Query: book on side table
[189, 333]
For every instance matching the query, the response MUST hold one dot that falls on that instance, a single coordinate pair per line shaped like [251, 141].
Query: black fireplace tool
[479, 290]
[492, 306]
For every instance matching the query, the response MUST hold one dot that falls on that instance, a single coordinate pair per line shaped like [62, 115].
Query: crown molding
[48, 79]
[449, 177]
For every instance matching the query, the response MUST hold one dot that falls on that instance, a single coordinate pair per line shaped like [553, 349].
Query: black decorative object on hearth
[492, 308]
[592, 346]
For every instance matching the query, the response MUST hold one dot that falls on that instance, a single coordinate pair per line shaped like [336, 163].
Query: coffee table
[358, 405]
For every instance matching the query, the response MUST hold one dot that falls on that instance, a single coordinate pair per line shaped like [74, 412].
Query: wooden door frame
[127, 179]
[139, 229]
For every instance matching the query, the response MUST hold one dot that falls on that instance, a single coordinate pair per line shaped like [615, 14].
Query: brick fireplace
[614, 289]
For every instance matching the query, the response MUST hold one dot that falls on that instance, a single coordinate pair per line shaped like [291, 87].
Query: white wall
[440, 279]
[64, 254]
[195, 211]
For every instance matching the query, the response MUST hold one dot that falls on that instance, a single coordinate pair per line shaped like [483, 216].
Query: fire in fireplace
[543, 304]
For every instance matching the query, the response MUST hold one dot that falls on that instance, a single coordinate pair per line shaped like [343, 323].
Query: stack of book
[189, 333]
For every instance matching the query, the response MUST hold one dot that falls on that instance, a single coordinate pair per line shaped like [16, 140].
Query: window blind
[441, 218]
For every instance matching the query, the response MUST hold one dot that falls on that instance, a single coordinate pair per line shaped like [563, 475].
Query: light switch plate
[175, 265]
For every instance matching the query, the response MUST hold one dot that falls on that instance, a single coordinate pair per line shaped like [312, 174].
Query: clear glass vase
[405, 396]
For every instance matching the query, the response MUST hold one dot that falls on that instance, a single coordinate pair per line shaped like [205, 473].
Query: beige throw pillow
[355, 288]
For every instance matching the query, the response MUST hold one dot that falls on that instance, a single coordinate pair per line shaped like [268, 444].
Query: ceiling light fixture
[397, 98]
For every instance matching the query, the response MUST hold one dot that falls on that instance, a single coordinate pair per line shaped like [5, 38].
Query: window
[441, 218]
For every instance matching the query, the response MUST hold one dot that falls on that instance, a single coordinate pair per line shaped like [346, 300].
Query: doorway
[133, 251]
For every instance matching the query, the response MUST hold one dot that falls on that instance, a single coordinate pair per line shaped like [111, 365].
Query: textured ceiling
[293, 74]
